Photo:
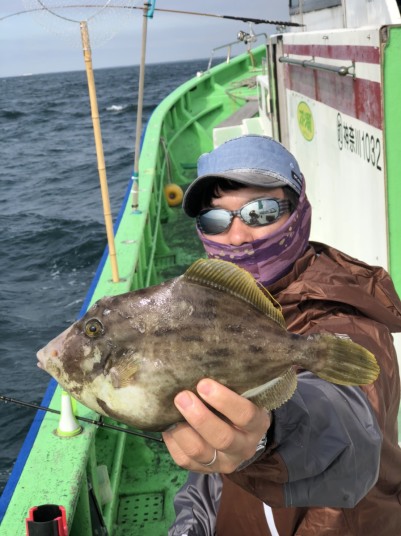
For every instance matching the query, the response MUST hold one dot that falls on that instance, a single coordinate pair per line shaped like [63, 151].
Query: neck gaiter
[270, 258]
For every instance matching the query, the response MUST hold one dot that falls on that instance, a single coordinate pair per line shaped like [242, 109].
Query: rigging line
[229, 17]
[84, 419]
[101, 8]
[45, 8]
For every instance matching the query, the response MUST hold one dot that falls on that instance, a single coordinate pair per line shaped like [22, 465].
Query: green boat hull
[141, 475]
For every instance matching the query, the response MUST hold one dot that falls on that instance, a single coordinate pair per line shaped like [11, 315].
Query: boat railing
[242, 38]
[341, 70]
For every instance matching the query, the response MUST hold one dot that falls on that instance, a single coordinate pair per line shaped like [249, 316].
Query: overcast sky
[41, 42]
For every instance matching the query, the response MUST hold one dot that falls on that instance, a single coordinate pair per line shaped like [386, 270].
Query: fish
[130, 354]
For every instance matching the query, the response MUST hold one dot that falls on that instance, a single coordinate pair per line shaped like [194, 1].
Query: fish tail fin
[345, 362]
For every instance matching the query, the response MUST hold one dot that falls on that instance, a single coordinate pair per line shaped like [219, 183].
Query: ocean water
[52, 229]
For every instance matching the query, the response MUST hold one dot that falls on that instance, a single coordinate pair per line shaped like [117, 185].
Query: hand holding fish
[195, 443]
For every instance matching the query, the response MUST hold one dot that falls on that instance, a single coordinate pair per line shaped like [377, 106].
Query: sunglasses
[256, 213]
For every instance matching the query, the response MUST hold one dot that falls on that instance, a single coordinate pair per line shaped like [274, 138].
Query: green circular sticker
[305, 121]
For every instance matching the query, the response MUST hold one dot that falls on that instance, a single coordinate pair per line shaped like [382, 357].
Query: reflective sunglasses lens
[260, 212]
[214, 221]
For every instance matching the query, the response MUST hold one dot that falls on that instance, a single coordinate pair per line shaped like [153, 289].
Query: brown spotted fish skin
[131, 354]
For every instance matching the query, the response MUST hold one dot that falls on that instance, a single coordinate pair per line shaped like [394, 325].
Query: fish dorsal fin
[227, 276]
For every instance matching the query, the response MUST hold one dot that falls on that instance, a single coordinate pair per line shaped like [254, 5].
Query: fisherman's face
[239, 232]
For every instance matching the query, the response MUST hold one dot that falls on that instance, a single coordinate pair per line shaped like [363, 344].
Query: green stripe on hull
[391, 70]
[392, 122]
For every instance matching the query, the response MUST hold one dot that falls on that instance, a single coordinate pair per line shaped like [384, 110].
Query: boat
[328, 90]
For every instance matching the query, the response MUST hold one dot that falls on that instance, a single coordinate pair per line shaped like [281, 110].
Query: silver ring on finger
[208, 464]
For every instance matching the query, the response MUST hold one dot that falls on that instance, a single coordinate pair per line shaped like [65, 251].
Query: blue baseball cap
[252, 160]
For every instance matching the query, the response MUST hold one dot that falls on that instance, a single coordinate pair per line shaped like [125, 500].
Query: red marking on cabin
[358, 98]
[337, 52]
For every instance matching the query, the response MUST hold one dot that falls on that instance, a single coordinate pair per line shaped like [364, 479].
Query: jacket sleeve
[196, 506]
[326, 449]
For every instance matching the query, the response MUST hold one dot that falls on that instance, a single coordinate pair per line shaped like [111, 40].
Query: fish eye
[94, 328]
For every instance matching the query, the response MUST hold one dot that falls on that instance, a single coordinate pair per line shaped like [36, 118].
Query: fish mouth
[52, 350]
[41, 357]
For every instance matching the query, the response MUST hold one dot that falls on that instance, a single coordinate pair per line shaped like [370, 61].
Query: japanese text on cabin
[359, 142]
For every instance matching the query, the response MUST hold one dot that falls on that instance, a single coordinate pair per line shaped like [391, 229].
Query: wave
[12, 114]
[50, 245]
[117, 108]
[131, 108]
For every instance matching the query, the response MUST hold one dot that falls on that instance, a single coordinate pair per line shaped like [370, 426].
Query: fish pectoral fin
[274, 393]
[228, 277]
[123, 372]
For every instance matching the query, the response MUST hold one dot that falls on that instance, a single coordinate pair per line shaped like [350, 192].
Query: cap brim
[193, 199]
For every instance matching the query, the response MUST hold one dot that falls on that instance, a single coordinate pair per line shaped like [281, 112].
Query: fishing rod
[228, 17]
[84, 419]
[163, 10]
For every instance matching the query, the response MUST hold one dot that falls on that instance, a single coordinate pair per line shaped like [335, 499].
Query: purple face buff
[269, 258]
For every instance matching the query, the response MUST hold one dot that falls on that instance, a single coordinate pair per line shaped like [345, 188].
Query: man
[327, 462]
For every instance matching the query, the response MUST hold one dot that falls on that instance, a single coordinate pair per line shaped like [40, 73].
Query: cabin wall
[360, 13]
[351, 14]
[338, 118]
[326, 18]
[345, 131]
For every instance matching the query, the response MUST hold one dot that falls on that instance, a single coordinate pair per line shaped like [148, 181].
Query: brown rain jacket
[301, 475]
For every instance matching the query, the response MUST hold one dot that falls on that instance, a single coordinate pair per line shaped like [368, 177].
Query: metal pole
[135, 185]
